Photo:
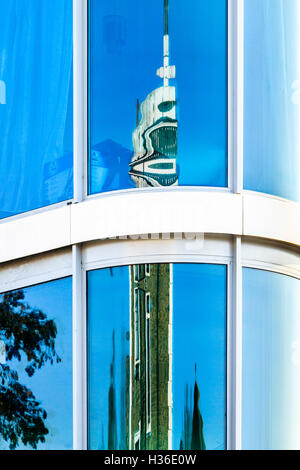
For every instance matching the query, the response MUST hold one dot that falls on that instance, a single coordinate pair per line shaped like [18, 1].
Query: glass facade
[150, 340]
[36, 101]
[271, 361]
[157, 357]
[36, 408]
[157, 94]
[272, 97]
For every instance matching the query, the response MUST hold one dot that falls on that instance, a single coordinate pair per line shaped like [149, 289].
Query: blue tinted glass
[272, 97]
[157, 355]
[271, 361]
[36, 99]
[158, 93]
[199, 341]
[36, 367]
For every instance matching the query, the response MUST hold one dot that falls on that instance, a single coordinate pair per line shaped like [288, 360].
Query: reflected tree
[28, 335]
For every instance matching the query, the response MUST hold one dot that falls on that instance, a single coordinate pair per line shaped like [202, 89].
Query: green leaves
[27, 330]
[28, 335]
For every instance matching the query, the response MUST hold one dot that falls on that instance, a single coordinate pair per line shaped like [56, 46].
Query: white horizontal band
[150, 211]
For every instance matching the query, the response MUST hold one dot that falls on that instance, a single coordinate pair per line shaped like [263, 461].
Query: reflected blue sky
[108, 310]
[199, 337]
[36, 121]
[272, 105]
[52, 384]
[271, 361]
[126, 47]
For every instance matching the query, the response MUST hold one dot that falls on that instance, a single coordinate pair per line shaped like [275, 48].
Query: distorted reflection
[30, 347]
[192, 435]
[139, 395]
[150, 63]
[155, 137]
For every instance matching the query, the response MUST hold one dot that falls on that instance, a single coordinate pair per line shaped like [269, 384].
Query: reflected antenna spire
[166, 72]
[166, 17]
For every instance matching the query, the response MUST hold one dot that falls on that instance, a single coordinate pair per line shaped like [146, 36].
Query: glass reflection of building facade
[155, 138]
[149, 233]
[150, 381]
[157, 393]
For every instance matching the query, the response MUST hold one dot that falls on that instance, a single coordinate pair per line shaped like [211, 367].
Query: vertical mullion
[79, 355]
[79, 171]
[236, 144]
[79, 98]
[238, 186]
[237, 345]
[236, 91]
[239, 177]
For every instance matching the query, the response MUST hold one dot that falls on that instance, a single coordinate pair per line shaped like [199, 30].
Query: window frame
[232, 122]
[218, 251]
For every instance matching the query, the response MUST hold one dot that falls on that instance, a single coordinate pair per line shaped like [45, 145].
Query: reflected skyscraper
[155, 138]
[150, 384]
[153, 165]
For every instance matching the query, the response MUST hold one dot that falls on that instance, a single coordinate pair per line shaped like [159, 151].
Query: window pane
[35, 104]
[271, 361]
[36, 367]
[173, 395]
[272, 98]
[152, 125]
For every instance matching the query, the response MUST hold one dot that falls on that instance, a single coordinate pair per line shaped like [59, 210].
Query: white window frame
[215, 250]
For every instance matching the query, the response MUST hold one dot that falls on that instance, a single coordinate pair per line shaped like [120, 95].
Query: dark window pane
[36, 100]
[176, 398]
[158, 93]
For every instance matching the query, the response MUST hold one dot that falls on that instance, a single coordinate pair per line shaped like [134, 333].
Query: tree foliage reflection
[27, 335]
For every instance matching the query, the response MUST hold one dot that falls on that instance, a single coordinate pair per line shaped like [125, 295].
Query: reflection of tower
[150, 383]
[155, 138]
[192, 435]
[197, 430]
[153, 164]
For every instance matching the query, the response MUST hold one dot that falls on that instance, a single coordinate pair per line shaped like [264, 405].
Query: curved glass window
[272, 97]
[157, 357]
[271, 361]
[36, 97]
[36, 367]
[158, 93]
